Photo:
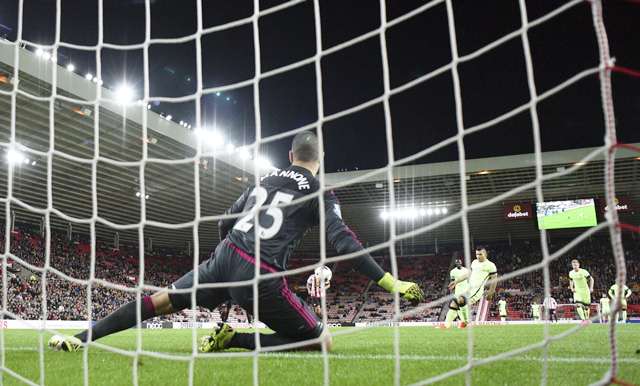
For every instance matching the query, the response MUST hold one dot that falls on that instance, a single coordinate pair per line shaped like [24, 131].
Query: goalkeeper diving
[283, 220]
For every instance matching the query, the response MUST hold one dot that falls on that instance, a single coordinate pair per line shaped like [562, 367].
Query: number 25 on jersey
[246, 223]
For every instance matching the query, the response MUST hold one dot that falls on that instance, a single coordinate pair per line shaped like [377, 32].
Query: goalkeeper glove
[408, 290]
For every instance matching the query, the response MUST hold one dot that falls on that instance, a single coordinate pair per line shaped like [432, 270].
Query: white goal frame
[608, 150]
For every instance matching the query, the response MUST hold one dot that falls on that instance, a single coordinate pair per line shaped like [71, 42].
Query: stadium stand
[350, 299]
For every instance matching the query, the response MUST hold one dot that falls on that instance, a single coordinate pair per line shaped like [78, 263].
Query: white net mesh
[607, 150]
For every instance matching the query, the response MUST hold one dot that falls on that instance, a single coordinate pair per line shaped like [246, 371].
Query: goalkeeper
[281, 229]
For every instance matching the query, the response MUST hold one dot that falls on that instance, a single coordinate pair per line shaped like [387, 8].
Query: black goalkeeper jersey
[282, 227]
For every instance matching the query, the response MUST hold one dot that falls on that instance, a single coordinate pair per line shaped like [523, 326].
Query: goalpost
[608, 150]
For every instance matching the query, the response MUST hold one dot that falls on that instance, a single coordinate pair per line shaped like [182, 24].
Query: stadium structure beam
[84, 89]
[476, 166]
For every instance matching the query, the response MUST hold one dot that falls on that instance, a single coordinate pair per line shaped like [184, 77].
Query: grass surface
[360, 357]
[584, 216]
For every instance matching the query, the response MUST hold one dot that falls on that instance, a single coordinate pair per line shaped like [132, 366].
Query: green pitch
[573, 218]
[361, 357]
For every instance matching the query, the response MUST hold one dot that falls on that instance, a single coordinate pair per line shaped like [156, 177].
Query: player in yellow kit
[482, 270]
[581, 284]
[626, 293]
[535, 310]
[460, 289]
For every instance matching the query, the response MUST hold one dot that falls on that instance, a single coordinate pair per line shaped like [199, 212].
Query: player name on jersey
[301, 179]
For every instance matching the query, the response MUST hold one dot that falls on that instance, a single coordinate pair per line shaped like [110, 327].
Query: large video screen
[566, 214]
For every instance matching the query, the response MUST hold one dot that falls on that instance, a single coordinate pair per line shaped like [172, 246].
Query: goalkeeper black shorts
[278, 307]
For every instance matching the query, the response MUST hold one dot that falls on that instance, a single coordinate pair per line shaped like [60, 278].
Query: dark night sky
[423, 115]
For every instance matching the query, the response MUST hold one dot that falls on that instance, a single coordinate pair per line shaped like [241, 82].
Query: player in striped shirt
[317, 285]
[550, 306]
[605, 308]
[502, 308]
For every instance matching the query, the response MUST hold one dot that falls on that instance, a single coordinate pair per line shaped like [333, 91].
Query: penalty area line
[386, 357]
[463, 358]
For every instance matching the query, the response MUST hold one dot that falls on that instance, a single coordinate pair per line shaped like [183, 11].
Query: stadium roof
[438, 185]
[171, 186]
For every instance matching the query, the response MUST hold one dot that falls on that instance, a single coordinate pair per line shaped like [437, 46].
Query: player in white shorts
[605, 308]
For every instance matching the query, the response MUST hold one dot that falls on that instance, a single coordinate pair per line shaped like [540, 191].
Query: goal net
[34, 80]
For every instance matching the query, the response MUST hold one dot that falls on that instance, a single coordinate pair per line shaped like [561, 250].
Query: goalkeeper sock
[624, 316]
[247, 340]
[587, 312]
[121, 319]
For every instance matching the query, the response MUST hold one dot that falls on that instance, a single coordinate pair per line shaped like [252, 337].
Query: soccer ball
[324, 273]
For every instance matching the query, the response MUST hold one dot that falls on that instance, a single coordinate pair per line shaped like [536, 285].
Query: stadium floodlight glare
[168, 117]
[71, 67]
[46, 55]
[146, 196]
[411, 212]
[244, 154]
[54, 59]
[264, 162]
[39, 52]
[210, 138]
[88, 76]
[124, 93]
[33, 163]
[15, 157]
[230, 147]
